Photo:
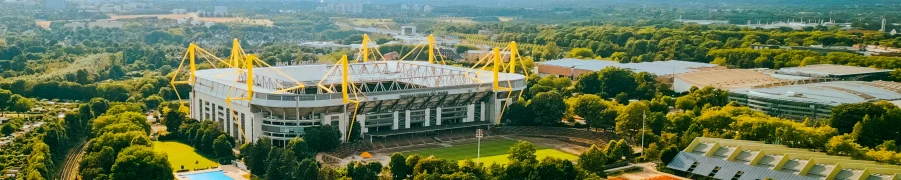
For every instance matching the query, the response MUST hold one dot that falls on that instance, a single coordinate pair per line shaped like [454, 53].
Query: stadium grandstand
[401, 97]
[363, 99]
[752, 160]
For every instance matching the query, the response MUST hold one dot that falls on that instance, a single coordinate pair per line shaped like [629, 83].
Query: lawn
[182, 154]
[494, 151]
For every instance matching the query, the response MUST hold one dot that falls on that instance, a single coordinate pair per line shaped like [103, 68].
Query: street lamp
[479, 136]
[643, 118]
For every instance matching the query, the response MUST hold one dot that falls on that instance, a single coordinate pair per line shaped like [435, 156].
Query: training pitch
[493, 151]
[182, 154]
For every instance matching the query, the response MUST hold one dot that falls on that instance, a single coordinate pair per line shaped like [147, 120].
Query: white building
[220, 10]
[179, 11]
[396, 98]
[408, 30]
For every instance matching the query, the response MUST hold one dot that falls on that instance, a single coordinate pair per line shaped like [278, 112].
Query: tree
[5, 96]
[844, 116]
[548, 108]
[522, 151]
[652, 152]
[399, 168]
[153, 101]
[361, 171]
[140, 162]
[7, 129]
[685, 103]
[21, 104]
[630, 118]
[519, 114]
[554, 168]
[281, 164]
[223, 148]
[593, 160]
[618, 151]
[174, 120]
[301, 149]
[844, 145]
[307, 169]
[592, 108]
[550, 51]
[589, 83]
[323, 138]
[580, 53]
[256, 155]
[679, 122]
[669, 154]
[98, 106]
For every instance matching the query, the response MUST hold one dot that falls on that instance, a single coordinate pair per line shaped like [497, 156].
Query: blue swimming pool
[215, 175]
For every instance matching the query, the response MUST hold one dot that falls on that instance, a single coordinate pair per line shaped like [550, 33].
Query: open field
[42, 23]
[494, 151]
[182, 155]
[265, 22]
[456, 20]
[371, 22]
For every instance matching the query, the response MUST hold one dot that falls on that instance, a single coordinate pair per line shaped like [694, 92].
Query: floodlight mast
[365, 48]
[431, 49]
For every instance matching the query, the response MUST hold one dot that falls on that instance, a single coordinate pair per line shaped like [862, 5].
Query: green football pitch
[493, 151]
[182, 155]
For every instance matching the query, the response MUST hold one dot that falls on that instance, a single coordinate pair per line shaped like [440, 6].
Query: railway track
[70, 169]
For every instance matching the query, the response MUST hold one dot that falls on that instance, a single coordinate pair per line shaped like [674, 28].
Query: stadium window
[715, 170]
[738, 175]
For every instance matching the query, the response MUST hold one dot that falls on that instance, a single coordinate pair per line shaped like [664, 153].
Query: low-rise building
[835, 71]
[476, 55]
[814, 99]
[572, 68]
[731, 79]
[752, 160]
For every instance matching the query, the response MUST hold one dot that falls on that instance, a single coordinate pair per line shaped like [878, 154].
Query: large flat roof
[729, 78]
[829, 70]
[757, 160]
[412, 72]
[832, 93]
[660, 68]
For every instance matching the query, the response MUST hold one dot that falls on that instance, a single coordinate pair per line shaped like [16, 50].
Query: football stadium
[381, 98]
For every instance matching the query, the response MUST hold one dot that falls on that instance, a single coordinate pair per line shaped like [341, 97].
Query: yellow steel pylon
[431, 49]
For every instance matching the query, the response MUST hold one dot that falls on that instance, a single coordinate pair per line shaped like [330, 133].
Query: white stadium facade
[395, 98]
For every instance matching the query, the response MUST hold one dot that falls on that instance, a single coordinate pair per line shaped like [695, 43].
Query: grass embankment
[494, 151]
[183, 155]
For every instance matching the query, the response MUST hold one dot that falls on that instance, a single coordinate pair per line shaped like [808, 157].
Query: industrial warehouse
[381, 98]
[794, 92]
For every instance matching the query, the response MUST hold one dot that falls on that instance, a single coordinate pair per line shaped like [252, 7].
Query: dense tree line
[120, 147]
[281, 163]
[40, 151]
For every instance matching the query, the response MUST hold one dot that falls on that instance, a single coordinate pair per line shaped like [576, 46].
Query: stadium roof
[660, 68]
[829, 70]
[412, 72]
[831, 93]
[739, 159]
